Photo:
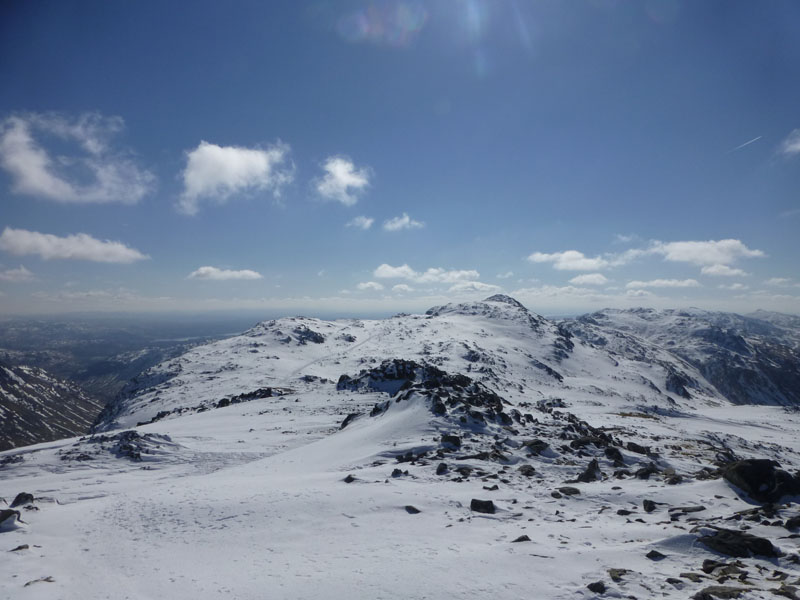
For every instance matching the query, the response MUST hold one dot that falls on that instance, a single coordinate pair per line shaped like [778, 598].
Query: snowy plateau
[475, 451]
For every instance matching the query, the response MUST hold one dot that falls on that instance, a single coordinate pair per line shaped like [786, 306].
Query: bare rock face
[761, 479]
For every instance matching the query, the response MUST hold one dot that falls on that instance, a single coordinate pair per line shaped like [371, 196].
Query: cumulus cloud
[506, 275]
[779, 281]
[370, 285]
[79, 246]
[402, 222]
[705, 253]
[18, 275]
[589, 279]
[431, 275]
[638, 293]
[342, 181]
[663, 283]
[723, 271]
[215, 173]
[466, 287]
[402, 288]
[215, 274]
[570, 260]
[361, 222]
[791, 145]
[94, 173]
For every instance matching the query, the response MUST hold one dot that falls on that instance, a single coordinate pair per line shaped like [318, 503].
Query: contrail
[755, 139]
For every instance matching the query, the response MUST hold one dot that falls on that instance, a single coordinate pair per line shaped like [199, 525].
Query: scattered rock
[739, 544]
[617, 574]
[569, 491]
[482, 506]
[22, 498]
[598, 587]
[9, 518]
[349, 479]
[648, 505]
[718, 591]
[348, 419]
[655, 555]
[453, 441]
[527, 470]
[412, 510]
[792, 523]
[20, 548]
[592, 472]
[522, 538]
[441, 469]
[48, 579]
[634, 447]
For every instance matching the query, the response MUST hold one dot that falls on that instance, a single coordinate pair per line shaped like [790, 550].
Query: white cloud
[217, 172]
[706, 253]
[589, 279]
[723, 271]
[342, 180]
[734, 286]
[370, 285]
[466, 287]
[638, 293]
[506, 275]
[361, 222]
[791, 145]
[779, 281]
[113, 176]
[402, 222]
[19, 275]
[570, 260]
[402, 288]
[664, 283]
[215, 274]
[622, 238]
[80, 246]
[432, 275]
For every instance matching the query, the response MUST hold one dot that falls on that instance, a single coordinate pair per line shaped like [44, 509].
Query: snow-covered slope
[37, 407]
[748, 360]
[478, 450]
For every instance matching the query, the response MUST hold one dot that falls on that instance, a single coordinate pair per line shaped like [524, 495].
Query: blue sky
[372, 157]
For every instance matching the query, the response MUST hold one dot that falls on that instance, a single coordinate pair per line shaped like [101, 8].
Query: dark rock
[645, 472]
[569, 491]
[482, 506]
[349, 479]
[648, 505]
[522, 538]
[792, 523]
[598, 587]
[623, 512]
[527, 470]
[709, 565]
[8, 516]
[397, 473]
[655, 555]
[441, 469]
[491, 488]
[348, 419]
[464, 471]
[453, 441]
[719, 591]
[22, 498]
[592, 472]
[588, 440]
[535, 446]
[674, 480]
[739, 544]
[412, 510]
[634, 447]
[687, 509]
[695, 577]
[20, 548]
[556, 495]
[761, 479]
[614, 454]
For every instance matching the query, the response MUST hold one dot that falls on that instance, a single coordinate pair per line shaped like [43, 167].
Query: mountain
[749, 360]
[476, 450]
[37, 407]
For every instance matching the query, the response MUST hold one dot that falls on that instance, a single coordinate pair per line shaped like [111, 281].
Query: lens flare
[387, 23]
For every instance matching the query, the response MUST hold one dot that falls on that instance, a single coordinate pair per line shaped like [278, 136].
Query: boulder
[482, 506]
[739, 544]
[761, 479]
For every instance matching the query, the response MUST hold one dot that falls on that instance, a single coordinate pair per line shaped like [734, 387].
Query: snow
[249, 500]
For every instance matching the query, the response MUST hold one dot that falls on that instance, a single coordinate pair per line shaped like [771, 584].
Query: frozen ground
[232, 493]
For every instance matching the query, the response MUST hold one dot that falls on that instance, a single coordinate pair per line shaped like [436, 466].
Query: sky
[364, 158]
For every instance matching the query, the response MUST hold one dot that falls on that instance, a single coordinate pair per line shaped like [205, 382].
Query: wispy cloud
[432, 275]
[342, 180]
[705, 253]
[589, 279]
[370, 286]
[791, 145]
[402, 288]
[402, 222]
[18, 275]
[114, 176]
[506, 275]
[570, 260]
[361, 222]
[79, 246]
[663, 283]
[215, 173]
[747, 143]
[470, 287]
[723, 271]
[216, 274]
